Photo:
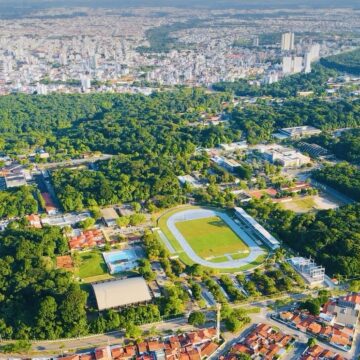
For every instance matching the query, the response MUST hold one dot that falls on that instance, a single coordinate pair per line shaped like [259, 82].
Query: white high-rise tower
[288, 41]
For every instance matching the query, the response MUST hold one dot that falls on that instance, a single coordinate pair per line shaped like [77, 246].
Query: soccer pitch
[208, 237]
[211, 237]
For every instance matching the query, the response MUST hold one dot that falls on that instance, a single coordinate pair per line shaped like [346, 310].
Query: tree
[177, 267]
[87, 223]
[20, 346]
[197, 318]
[196, 270]
[46, 321]
[123, 221]
[137, 219]
[136, 206]
[133, 332]
[243, 356]
[145, 270]
[311, 342]
[312, 305]
[354, 285]
[232, 324]
[73, 312]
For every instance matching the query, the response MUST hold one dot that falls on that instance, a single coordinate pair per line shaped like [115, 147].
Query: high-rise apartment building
[288, 41]
[292, 64]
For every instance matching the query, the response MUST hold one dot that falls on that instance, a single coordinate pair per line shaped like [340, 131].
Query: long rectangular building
[122, 292]
[264, 235]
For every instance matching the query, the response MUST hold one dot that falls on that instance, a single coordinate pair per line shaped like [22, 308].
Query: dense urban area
[180, 183]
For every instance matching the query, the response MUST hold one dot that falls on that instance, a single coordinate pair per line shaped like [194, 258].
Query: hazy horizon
[23, 7]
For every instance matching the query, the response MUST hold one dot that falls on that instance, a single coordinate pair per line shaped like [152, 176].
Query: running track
[192, 214]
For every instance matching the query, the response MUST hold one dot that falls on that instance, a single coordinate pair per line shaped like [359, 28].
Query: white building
[286, 157]
[312, 273]
[241, 145]
[188, 179]
[300, 131]
[313, 54]
[118, 293]
[288, 41]
[228, 164]
[292, 64]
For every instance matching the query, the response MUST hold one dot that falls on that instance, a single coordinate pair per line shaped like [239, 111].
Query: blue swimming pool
[121, 260]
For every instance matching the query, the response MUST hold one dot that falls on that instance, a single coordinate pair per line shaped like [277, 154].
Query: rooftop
[117, 293]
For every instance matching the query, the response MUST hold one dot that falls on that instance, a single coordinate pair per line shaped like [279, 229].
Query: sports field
[211, 237]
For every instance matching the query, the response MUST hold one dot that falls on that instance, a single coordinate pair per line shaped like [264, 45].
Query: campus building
[286, 157]
[228, 164]
[312, 273]
[300, 131]
[262, 233]
[118, 293]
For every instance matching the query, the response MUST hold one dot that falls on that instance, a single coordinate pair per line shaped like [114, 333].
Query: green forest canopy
[348, 62]
[37, 300]
[343, 177]
[331, 237]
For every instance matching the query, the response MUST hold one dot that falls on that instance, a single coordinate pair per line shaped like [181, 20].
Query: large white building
[240, 145]
[117, 293]
[300, 131]
[286, 157]
[228, 164]
[292, 64]
[307, 268]
[288, 41]
[313, 54]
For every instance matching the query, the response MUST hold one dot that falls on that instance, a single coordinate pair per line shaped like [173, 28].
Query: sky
[14, 8]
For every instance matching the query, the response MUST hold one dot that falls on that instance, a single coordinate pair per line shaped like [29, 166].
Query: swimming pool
[121, 260]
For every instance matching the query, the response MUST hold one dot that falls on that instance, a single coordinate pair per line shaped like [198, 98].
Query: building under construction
[313, 274]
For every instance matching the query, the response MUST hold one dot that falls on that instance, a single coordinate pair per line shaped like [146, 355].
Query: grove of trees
[36, 299]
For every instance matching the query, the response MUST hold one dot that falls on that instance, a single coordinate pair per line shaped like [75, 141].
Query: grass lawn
[92, 264]
[162, 224]
[240, 255]
[210, 237]
[300, 205]
[258, 261]
[219, 259]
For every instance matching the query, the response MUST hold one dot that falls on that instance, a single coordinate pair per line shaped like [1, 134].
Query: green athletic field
[211, 237]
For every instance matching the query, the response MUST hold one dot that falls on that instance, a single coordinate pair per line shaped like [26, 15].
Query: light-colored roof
[109, 214]
[274, 242]
[112, 294]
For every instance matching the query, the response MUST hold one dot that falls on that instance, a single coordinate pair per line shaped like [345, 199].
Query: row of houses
[82, 239]
[264, 342]
[196, 345]
[78, 239]
[317, 352]
[336, 335]
[343, 311]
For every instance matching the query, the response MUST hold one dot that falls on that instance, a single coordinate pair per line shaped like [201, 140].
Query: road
[56, 347]
[73, 162]
[64, 346]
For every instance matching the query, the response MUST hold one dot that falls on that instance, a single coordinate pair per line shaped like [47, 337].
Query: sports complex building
[118, 293]
[259, 230]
